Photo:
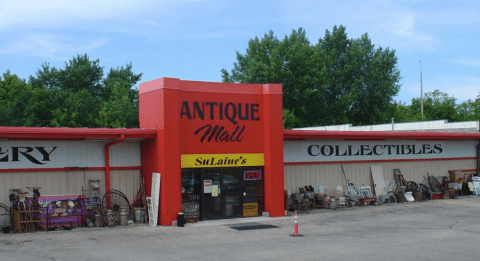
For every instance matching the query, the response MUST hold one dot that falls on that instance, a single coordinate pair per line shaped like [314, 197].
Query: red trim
[378, 135]
[463, 170]
[107, 166]
[205, 87]
[370, 161]
[55, 139]
[220, 87]
[126, 168]
[69, 169]
[43, 133]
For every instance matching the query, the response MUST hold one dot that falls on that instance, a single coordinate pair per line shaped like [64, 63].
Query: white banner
[332, 150]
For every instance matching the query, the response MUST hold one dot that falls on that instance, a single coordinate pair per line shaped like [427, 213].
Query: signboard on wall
[252, 175]
[332, 150]
[221, 122]
[222, 160]
[24, 154]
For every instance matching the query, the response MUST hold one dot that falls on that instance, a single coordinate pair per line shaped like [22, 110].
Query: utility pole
[421, 88]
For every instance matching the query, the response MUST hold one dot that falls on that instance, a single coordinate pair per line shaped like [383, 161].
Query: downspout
[107, 166]
[478, 159]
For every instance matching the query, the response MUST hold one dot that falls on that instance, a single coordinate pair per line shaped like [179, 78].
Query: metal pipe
[478, 159]
[107, 166]
[421, 87]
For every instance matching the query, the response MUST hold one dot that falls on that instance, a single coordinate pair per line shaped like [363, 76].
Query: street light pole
[421, 88]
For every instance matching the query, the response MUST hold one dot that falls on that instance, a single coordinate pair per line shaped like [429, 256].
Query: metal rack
[92, 194]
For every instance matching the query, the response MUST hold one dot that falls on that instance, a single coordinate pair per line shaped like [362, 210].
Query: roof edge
[378, 135]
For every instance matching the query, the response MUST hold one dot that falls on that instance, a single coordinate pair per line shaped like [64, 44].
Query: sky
[195, 39]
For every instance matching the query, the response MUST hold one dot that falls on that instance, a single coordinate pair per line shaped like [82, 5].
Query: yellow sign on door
[215, 191]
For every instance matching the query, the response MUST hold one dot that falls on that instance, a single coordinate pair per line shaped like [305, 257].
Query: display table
[64, 210]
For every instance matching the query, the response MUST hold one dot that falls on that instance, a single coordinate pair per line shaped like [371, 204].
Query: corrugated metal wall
[359, 173]
[68, 182]
[127, 181]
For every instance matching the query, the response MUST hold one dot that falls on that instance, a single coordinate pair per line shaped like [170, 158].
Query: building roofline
[41, 133]
[378, 135]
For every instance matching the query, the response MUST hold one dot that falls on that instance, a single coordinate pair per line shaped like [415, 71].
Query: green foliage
[289, 119]
[120, 109]
[74, 96]
[336, 81]
[14, 98]
[469, 110]
[437, 105]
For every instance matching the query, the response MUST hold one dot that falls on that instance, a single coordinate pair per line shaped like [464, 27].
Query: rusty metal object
[400, 197]
[417, 196]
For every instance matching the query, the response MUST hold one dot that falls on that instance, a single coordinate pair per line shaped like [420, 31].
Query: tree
[438, 95]
[77, 95]
[14, 98]
[437, 105]
[120, 109]
[469, 110]
[75, 91]
[289, 119]
[338, 80]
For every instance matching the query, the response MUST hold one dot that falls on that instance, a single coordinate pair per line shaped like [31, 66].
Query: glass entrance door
[212, 194]
[221, 193]
[232, 191]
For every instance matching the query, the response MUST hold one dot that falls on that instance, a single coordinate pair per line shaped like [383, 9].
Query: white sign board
[207, 186]
[25, 154]
[340, 150]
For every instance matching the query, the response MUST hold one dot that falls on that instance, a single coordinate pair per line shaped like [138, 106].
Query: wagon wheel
[376, 203]
[4, 215]
[119, 192]
[365, 203]
[131, 213]
[117, 201]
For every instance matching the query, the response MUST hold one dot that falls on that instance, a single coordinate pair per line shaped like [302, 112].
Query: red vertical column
[273, 149]
[159, 108]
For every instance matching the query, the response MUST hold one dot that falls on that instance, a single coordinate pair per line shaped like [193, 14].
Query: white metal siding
[68, 182]
[125, 154]
[68, 154]
[359, 173]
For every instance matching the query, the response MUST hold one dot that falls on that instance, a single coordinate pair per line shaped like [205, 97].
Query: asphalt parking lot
[431, 230]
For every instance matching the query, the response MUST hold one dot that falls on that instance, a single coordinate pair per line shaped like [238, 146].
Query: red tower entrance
[202, 127]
